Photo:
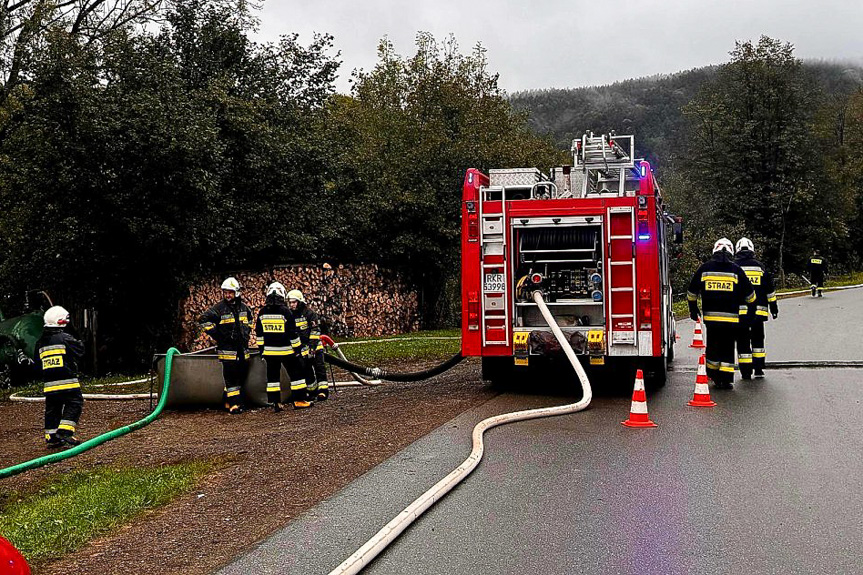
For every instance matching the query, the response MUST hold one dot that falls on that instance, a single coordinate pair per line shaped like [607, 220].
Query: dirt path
[270, 467]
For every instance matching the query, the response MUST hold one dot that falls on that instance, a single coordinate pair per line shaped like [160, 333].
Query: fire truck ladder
[492, 237]
[605, 159]
[621, 275]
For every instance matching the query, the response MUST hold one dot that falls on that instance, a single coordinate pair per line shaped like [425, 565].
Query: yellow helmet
[297, 295]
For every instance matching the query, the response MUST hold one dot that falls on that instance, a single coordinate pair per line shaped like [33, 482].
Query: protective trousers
[316, 373]
[62, 412]
[294, 367]
[234, 371]
[759, 352]
[720, 350]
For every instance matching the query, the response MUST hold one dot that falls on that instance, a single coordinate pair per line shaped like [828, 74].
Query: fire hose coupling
[328, 341]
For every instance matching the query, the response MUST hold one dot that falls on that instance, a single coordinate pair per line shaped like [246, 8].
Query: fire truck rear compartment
[567, 259]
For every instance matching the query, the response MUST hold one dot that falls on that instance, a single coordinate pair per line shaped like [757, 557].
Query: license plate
[494, 283]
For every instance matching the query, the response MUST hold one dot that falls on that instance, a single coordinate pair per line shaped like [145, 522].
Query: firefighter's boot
[819, 293]
[277, 407]
[53, 442]
[759, 374]
[302, 404]
[813, 291]
[235, 410]
[71, 441]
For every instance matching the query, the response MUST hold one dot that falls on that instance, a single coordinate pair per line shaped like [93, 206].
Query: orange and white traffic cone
[638, 412]
[701, 397]
[697, 338]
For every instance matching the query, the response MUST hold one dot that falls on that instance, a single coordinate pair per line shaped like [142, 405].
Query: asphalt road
[766, 482]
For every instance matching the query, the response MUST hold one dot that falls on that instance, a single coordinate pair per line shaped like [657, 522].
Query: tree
[749, 156]
[134, 165]
[406, 137]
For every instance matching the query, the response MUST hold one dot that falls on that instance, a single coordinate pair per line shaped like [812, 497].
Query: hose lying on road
[365, 554]
[100, 439]
[379, 373]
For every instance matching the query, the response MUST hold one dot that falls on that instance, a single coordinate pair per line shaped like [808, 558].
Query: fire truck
[592, 239]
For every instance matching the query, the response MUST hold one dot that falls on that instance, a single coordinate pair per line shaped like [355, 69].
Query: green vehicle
[18, 337]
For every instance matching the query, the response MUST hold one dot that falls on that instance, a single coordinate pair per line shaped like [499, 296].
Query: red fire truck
[591, 238]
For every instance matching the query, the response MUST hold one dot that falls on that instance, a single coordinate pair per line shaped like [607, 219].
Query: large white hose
[365, 554]
[97, 396]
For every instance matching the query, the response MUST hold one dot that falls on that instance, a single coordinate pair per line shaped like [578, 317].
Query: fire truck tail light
[644, 305]
[472, 311]
[472, 227]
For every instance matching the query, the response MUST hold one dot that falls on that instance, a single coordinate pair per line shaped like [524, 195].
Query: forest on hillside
[764, 145]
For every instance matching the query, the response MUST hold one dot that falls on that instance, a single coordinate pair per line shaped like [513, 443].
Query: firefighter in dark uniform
[725, 293]
[58, 356]
[309, 327]
[229, 323]
[751, 352]
[817, 268]
[279, 339]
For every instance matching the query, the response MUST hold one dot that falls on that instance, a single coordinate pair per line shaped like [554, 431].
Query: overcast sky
[572, 43]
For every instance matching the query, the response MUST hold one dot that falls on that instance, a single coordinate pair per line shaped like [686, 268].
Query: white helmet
[744, 244]
[277, 289]
[231, 284]
[56, 316]
[723, 244]
[297, 295]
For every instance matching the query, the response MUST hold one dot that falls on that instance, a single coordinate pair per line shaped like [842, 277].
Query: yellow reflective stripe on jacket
[771, 297]
[691, 296]
[721, 316]
[719, 276]
[278, 350]
[57, 386]
[49, 351]
[751, 297]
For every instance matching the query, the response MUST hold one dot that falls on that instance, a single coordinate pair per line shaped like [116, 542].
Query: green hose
[100, 439]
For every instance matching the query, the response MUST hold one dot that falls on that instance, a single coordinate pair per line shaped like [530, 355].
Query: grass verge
[80, 506]
[416, 346]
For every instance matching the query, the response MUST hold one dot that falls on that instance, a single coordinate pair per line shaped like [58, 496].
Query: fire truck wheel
[499, 371]
[671, 351]
[655, 372]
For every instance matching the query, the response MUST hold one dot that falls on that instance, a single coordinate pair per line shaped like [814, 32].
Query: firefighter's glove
[775, 314]
[23, 359]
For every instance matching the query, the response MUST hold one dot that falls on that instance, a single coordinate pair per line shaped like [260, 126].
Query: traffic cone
[638, 412]
[697, 338]
[701, 397]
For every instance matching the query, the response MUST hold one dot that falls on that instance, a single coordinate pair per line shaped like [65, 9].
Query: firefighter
[725, 294]
[817, 268]
[312, 348]
[751, 353]
[229, 323]
[277, 335]
[59, 354]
